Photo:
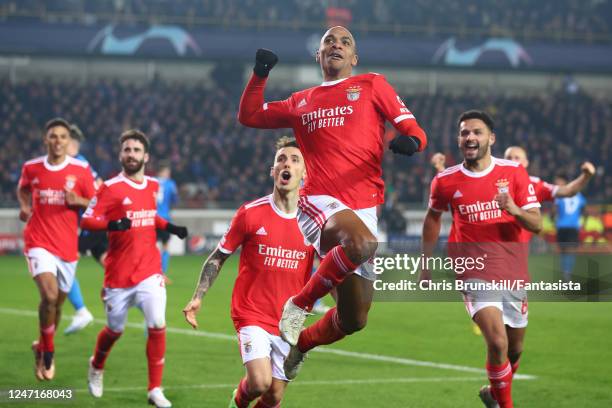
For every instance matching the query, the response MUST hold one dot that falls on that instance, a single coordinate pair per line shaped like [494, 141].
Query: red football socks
[243, 398]
[326, 330]
[515, 366]
[45, 343]
[263, 404]
[106, 339]
[500, 378]
[334, 267]
[156, 348]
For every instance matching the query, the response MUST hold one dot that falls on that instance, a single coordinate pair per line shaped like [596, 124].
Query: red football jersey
[53, 225]
[132, 255]
[339, 127]
[274, 263]
[544, 192]
[479, 227]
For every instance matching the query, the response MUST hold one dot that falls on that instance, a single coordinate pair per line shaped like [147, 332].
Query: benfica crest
[502, 185]
[353, 93]
[70, 182]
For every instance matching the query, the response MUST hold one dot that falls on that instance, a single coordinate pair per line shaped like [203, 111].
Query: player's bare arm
[579, 183]
[24, 197]
[210, 270]
[530, 219]
[431, 232]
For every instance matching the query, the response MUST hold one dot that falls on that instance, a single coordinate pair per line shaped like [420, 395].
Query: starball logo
[326, 117]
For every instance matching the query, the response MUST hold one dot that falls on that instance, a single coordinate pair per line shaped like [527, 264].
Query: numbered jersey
[53, 225]
[569, 210]
[274, 263]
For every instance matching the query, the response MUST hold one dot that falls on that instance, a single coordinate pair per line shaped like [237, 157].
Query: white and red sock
[334, 267]
[106, 339]
[156, 349]
[500, 378]
[243, 398]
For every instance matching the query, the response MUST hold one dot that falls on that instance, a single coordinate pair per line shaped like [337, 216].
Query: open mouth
[471, 147]
[335, 56]
[285, 176]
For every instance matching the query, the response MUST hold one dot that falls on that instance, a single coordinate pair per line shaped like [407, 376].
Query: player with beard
[339, 127]
[274, 264]
[126, 207]
[491, 201]
[52, 189]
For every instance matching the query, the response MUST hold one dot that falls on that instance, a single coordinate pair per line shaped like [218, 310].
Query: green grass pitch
[567, 350]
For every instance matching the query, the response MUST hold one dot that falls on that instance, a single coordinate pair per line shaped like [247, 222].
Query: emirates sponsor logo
[480, 211]
[141, 218]
[326, 117]
[280, 257]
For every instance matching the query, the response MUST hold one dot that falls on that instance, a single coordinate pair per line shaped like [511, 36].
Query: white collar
[132, 183]
[477, 174]
[56, 167]
[278, 210]
[330, 83]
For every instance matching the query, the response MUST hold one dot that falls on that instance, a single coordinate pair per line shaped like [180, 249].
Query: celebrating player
[126, 206]
[274, 264]
[491, 201]
[339, 127]
[51, 190]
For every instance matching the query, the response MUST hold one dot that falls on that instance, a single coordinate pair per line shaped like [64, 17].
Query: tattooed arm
[210, 271]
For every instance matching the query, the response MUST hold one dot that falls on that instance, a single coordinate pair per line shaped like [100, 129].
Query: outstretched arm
[579, 183]
[210, 271]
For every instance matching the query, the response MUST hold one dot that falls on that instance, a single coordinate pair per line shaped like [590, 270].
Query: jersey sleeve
[438, 201]
[87, 184]
[391, 107]
[545, 191]
[524, 194]
[96, 215]
[234, 236]
[24, 178]
[253, 112]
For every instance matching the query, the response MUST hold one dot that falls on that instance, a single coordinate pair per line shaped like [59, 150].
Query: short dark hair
[76, 133]
[562, 176]
[477, 114]
[286, 141]
[164, 164]
[135, 134]
[57, 122]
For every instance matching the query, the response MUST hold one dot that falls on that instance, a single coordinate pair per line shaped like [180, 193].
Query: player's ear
[492, 139]
[146, 158]
[355, 60]
[318, 55]
[272, 171]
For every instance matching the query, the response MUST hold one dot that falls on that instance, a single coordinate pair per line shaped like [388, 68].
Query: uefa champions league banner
[171, 41]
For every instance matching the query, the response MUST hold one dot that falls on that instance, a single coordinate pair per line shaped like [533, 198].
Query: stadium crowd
[551, 19]
[218, 162]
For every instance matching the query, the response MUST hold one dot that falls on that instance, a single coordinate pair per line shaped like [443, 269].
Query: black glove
[120, 225]
[407, 145]
[177, 230]
[265, 60]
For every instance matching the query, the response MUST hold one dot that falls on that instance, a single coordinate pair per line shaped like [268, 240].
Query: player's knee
[50, 298]
[157, 323]
[498, 345]
[360, 248]
[353, 323]
[259, 385]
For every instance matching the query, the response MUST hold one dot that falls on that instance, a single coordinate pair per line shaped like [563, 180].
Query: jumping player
[339, 127]
[274, 264]
[51, 191]
[126, 206]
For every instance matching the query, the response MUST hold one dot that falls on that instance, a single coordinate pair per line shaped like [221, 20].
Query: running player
[126, 206]
[339, 127]
[51, 191]
[274, 264]
[491, 200]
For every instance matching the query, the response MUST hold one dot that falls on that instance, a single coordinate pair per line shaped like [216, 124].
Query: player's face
[132, 156]
[475, 139]
[516, 154]
[289, 169]
[337, 53]
[57, 139]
